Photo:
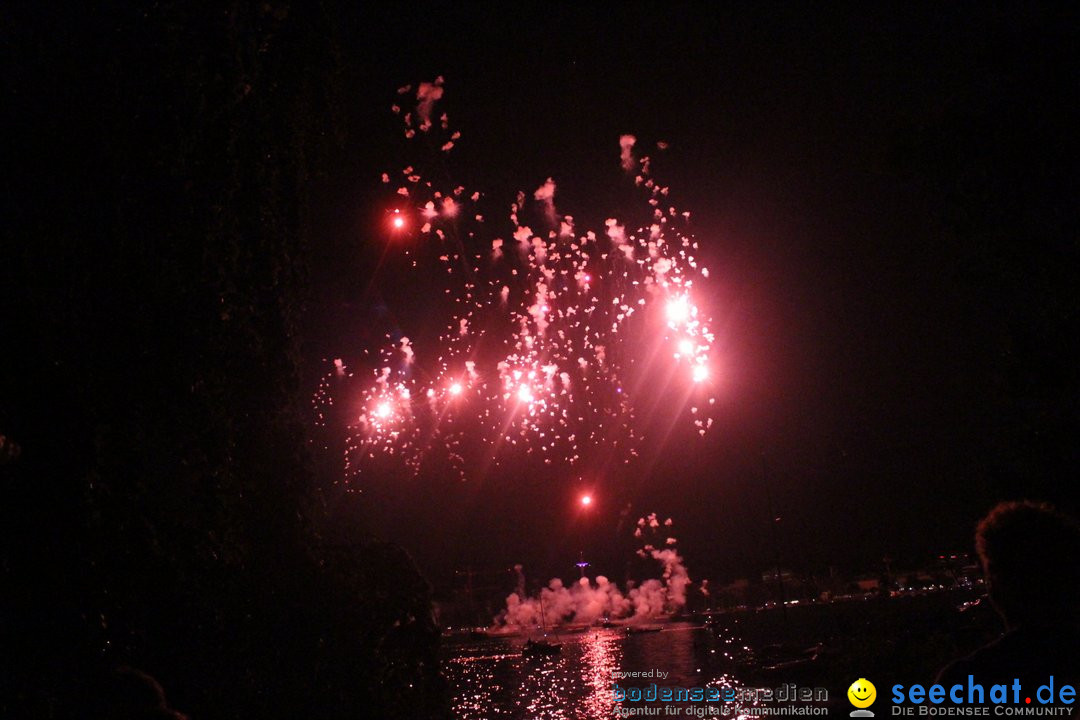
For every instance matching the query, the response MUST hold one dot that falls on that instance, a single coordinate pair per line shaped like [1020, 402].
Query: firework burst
[551, 330]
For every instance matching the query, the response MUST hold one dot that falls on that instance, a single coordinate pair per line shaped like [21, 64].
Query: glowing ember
[383, 410]
[586, 500]
[455, 389]
[701, 373]
[525, 394]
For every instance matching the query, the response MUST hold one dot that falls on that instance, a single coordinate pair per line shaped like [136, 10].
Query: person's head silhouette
[130, 694]
[1030, 555]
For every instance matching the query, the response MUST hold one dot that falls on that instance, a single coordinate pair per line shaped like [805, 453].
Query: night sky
[887, 202]
[195, 227]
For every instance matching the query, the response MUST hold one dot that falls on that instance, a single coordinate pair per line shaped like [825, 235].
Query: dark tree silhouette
[159, 508]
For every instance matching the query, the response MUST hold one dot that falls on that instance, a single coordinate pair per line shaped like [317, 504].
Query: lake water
[904, 639]
[491, 679]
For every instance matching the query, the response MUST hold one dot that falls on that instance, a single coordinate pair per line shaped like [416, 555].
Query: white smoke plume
[626, 155]
[545, 195]
[426, 96]
[588, 601]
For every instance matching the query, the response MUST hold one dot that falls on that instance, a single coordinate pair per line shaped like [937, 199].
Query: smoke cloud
[590, 600]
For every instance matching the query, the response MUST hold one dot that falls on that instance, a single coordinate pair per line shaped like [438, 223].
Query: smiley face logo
[862, 693]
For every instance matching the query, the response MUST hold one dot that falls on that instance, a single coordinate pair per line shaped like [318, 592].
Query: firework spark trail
[549, 323]
[587, 601]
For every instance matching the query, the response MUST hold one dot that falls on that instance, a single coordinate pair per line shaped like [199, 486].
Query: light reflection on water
[602, 655]
[490, 679]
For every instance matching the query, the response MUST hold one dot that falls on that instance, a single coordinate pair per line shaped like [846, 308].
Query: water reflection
[602, 655]
[490, 679]
[543, 691]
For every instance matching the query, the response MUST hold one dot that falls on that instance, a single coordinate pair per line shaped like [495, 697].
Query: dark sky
[886, 200]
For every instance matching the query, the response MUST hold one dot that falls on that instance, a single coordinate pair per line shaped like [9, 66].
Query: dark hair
[1030, 553]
